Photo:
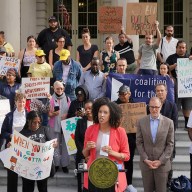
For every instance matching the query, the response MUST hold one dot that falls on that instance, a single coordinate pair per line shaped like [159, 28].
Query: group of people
[79, 89]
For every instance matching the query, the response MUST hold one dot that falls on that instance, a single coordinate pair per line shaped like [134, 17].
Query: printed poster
[8, 62]
[140, 18]
[131, 113]
[69, 127]
[35, 87]
[4, 109]
[184, 77]
[27, 158]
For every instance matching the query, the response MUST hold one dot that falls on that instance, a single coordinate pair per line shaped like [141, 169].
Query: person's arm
[5, 130]
[158, 33]
[51, 58]
[20, 57]
[159, 58]
[78, 129]
[190, 133]
[126, 36]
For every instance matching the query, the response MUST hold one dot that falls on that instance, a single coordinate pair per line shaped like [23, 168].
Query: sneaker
[56, 168]
[65, 170]
[130, 188]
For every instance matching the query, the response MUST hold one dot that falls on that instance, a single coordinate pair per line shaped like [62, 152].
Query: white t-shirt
[189, 124]
[168, 48]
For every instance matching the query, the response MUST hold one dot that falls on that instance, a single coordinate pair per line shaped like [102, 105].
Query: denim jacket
[73, 78]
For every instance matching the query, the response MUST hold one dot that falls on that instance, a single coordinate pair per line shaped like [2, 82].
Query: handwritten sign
[131, 113]
[141, 18]
[8, 62]
[184, 76]
[4, 109]
[69, 127]
[36, 87]
[110, 19]
[28, 158]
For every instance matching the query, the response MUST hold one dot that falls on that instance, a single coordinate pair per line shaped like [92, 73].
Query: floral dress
[109, 62]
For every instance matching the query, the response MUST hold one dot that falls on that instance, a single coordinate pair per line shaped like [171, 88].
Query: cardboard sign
[4, 109]
[110, 19]
[131, 113]
[184, 77]
[141, 18]
[69, 127]
[30, 159]
[35, 87]
[8, 62]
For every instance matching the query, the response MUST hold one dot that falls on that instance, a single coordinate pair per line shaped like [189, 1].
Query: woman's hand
[90, 145]
[107, 149]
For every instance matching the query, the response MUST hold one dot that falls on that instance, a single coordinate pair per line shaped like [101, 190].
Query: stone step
[182, 147]
[180, 162]
[181, 135]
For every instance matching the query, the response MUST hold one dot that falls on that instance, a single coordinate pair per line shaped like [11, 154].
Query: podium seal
[103, 173]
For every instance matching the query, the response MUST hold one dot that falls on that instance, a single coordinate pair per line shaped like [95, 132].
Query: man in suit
[155, 140]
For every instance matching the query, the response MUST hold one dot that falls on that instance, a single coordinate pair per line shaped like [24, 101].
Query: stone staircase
[181, 165]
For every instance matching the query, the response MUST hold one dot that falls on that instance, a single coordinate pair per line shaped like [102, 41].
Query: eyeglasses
[154, 107]
[40, 56]
[36, 123]
[59, 89]
[61, 41]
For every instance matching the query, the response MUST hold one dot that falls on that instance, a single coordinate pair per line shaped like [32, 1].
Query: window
[173, 15]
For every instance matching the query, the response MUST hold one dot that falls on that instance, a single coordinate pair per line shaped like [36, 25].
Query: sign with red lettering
[141, 18]
[36, 87]
[8, 62]
[110, 19]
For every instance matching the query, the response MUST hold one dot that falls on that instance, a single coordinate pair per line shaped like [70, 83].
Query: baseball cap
[64, 54]
[3, 50]
[52, 18]
[124, 89]
[39, 53]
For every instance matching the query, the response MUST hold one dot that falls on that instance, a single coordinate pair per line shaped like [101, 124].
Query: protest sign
[69, 127]
[30, 159]
[36, 87]
[4, 109]
[110, 19]
[142, 86]
[141, 18]
[184, 77]
[131, 113]
[8, 62]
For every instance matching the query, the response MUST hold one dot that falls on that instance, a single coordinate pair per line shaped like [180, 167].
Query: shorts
[185, 103]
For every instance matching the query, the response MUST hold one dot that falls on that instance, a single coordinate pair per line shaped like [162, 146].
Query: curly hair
[115, 111]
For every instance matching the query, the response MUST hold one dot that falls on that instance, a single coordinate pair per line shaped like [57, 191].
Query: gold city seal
[103, 173]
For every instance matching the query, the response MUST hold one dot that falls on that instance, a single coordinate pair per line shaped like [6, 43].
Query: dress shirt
[154, 126]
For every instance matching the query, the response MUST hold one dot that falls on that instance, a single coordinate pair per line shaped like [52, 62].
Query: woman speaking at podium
[106, 139]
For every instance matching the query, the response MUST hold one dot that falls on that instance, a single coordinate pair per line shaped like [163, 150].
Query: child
[33, 130]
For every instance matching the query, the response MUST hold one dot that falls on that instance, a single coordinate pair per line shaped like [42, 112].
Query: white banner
[8, 62]
[69, 127]
[36, 87]
[4, 109]
[184, 77]
[30, 159]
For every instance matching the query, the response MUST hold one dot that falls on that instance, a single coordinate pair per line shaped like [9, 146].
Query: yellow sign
[103, 173]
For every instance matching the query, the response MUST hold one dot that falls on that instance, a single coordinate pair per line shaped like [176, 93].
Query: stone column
[10, 22]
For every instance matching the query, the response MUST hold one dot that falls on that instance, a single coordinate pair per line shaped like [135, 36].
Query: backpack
[181, 184]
